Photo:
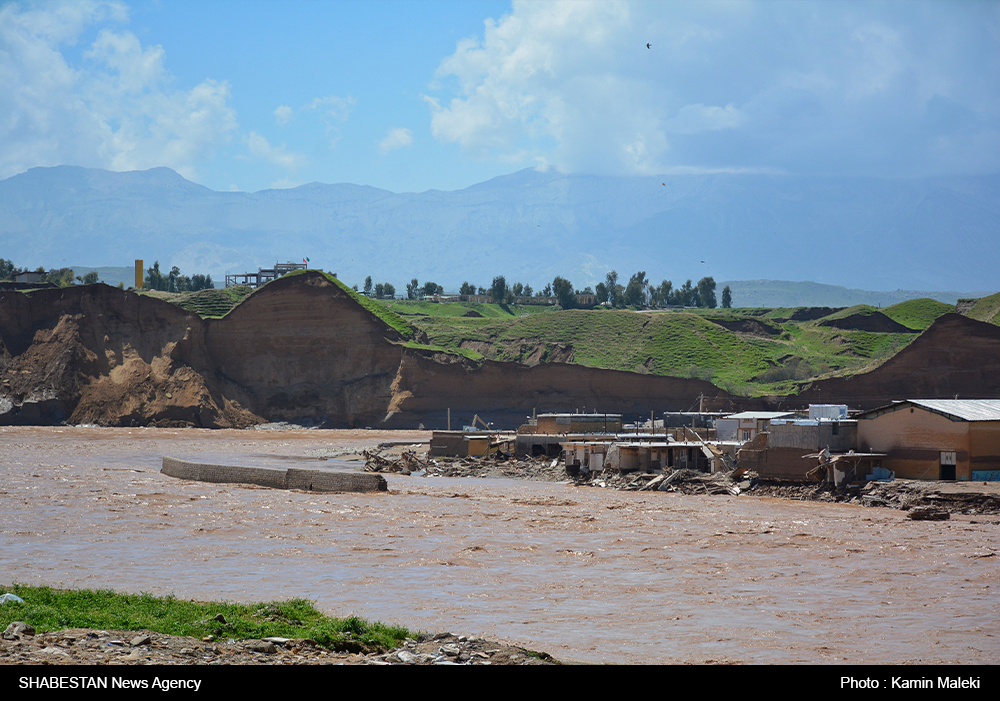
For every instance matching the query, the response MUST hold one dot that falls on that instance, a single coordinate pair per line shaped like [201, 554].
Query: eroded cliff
[305, 346]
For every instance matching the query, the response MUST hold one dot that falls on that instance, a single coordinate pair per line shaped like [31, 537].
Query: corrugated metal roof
[768, 415]
[965, 409]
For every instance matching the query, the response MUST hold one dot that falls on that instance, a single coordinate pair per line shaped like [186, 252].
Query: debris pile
[445, 648]
[896, 494]
[683, 481]
[928, 513]
[500, 465]
[496, 465]
[911, 494]
[407, 463]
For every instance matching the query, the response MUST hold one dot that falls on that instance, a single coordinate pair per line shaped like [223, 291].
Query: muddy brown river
[582, 573]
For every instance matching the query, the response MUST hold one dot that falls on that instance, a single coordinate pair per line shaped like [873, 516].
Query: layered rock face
[429, 385]
[302, 347]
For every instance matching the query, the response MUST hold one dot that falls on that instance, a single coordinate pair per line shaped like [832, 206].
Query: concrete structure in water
[930, 439]
[292, 478]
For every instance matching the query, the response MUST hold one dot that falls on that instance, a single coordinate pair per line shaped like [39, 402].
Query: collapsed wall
[289, 478]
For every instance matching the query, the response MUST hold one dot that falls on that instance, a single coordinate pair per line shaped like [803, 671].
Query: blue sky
[416, 95]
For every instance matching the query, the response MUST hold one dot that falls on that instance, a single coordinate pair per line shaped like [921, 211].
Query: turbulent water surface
[581, 573]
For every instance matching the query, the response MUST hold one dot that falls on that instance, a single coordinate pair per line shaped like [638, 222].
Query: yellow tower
[138, 273]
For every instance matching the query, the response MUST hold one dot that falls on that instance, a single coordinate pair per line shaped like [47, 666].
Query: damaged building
[931, 439]
[822, 447]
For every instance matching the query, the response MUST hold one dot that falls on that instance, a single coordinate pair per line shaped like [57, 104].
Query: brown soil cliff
[954, 356]
[303, 348]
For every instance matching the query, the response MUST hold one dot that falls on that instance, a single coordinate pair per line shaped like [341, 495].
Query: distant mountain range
[779, 293]
[862, 233]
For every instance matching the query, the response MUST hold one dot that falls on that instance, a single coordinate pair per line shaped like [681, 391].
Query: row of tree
[63, 277]
[639, 292]
[174, 281]
[155, 278]
[383, 290]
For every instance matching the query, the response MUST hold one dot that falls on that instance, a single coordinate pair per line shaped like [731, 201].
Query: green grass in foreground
[55, 609]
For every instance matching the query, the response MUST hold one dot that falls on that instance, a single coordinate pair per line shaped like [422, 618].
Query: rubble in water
[497, 465]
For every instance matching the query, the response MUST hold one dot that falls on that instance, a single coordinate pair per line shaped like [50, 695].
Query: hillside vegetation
[208, 304]
[918, 314]
[746, 351]
[983, 309]
[751, 351]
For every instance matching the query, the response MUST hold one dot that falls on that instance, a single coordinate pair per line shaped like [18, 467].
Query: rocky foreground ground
[80, 646]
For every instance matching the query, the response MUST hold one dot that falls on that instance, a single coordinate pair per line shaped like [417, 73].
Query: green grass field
[55, 609]
[685, 343]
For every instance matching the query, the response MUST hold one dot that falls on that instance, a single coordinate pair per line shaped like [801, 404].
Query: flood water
[581, 573]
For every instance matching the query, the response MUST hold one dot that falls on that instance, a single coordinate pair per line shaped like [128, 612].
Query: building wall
[839, 436]
[579, 423]
[984, 450]
[914, 439]
[785, 464]
[786, 444]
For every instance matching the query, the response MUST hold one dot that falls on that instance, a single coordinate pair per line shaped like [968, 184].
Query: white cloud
[276, 155]
[332, 106]
[283, 114]
[333, 110]
[847, 87]
[114, 108]
[395, 138]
